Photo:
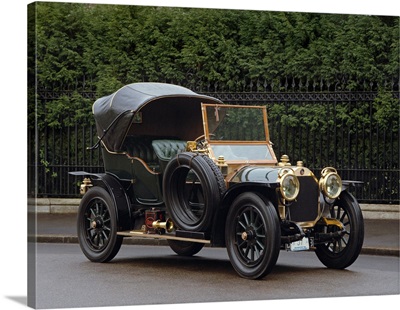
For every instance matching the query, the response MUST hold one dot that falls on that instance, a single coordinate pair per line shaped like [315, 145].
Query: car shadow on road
[215, 266]
[194, 263]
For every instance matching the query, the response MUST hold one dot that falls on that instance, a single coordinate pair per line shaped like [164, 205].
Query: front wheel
[342, 252]
[253, 236]
[97, 226]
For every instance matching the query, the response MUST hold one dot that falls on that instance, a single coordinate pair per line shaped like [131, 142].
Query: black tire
[252, 235]
[342, 253]
[97, 226]
[192, 189]
[185, 248]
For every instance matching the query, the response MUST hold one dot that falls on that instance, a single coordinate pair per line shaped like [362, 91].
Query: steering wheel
[199, 138]
[202, 137]
[201, 141]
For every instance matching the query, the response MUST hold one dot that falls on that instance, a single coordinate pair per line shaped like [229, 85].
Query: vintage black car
[192, 170]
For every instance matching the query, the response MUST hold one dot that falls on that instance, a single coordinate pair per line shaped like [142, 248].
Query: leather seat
[141, 148]
[165, 150]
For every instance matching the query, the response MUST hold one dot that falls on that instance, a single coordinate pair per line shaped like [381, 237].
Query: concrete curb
[381, 251]
[53, 239]
[53, 205]
[380, 211]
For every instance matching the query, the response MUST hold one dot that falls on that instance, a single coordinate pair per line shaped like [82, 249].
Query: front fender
[325, 205]
[234, 190]
[251, 179]
[347, 183]
[264, 190]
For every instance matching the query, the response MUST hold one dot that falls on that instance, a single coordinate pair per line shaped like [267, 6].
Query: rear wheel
[97, 226]
[252, 236]
[342, 252]
[185, 248]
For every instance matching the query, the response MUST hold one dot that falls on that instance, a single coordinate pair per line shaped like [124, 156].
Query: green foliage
[103, 47]
[46, 165]
[67, 111]
[387, 113]
[112, 45]
[59, 43]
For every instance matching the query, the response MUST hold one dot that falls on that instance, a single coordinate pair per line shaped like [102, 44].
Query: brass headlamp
[330, 183]
[289, 184]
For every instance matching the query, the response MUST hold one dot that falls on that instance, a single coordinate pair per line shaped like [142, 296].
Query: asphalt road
[141, 275]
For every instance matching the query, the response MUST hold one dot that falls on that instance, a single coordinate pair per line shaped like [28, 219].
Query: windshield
[242, 152]
[239, 133]
[236, 123]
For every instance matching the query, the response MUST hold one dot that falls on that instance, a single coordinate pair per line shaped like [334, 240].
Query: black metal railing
[321, 128]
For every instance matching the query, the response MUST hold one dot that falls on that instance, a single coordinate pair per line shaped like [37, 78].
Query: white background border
[13, 231]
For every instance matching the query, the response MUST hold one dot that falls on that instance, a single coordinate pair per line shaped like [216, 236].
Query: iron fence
[319, 127]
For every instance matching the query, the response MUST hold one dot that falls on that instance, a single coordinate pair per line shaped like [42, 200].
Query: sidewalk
[381, 231]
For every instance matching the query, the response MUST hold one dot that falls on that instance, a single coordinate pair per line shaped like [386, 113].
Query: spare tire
[192, 187]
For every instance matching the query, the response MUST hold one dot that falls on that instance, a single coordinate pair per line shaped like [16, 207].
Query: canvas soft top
[114, 113]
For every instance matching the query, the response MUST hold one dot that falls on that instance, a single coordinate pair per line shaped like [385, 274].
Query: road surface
[142, 275]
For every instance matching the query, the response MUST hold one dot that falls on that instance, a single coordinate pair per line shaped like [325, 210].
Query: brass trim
[112, 152]
[141, 234]
[85, 186]
[301, 172]
[327, 221]
[266, 162]
[167, 226]
[284, 161]
[304, 172]
[282, 210]
[307, 225]
[131, 158]
[144, 164]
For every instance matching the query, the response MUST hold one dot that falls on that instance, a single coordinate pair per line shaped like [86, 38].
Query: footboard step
[141, 234]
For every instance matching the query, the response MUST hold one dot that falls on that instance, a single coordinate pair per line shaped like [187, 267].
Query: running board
[142, 234]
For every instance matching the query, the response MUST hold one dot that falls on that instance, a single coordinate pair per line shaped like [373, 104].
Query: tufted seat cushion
[165, 150]
[141, 148]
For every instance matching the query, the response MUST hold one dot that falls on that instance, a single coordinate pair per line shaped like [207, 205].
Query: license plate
[301, 245]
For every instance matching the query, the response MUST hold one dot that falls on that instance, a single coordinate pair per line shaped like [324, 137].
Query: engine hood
[256, 174]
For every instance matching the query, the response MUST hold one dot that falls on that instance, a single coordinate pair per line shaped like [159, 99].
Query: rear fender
[118, 195]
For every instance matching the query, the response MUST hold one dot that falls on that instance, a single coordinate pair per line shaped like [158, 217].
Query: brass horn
[168, 225]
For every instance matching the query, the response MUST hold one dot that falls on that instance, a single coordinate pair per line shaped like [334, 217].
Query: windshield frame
[212, 142]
